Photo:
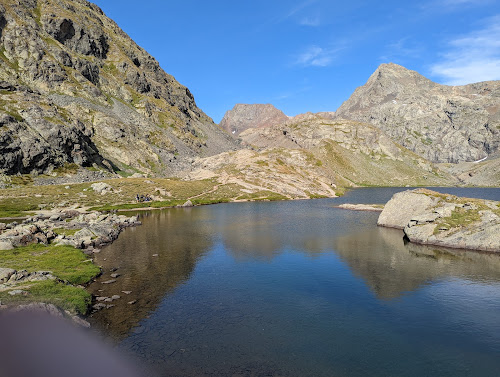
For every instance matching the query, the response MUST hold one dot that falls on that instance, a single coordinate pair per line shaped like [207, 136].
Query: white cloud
[316, 56]
[473, 57]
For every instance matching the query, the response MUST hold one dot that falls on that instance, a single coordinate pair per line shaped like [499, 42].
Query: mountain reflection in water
[295, 288]
[151, 260]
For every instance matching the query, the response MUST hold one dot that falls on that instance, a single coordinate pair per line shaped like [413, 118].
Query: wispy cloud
[452, 5]
[298, 8]
[403, 48]
[315, 56]
[473, 57]
[313, 21]
[290, 94]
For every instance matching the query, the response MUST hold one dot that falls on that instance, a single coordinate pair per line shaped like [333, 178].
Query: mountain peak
[438, 122]
[245, 116]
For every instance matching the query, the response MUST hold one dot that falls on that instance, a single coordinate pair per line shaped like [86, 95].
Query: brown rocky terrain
[348, 152]
[74, 88]
[244, 116]
[438, 122]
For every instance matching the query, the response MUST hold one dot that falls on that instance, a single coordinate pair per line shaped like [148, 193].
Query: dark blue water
[300, 289]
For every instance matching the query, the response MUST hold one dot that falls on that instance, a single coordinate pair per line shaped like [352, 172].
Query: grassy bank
[69, 265]
[25, 199]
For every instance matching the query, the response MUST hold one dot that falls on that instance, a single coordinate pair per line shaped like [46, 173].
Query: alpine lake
[298, 288]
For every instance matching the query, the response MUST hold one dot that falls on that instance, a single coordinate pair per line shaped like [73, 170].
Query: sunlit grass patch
[64, 262]
[65, 296]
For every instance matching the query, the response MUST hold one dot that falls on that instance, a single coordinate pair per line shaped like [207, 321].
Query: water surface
[299, 289]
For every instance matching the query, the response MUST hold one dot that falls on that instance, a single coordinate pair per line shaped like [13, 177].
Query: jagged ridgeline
[74, 88]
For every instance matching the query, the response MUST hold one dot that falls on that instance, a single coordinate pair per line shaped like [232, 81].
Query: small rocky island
[429, 217]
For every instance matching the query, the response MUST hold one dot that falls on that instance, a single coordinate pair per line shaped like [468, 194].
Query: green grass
[17, 207]
[205, 201]
[6, 214]
[68, 297]
[460, 217]
[64, 262]
[21, 180]
[66, 232]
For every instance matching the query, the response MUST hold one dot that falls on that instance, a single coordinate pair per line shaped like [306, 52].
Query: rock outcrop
[428, 217]
[80, 230]
[76, 89]
[440, 123]
[244, 116]
[350, 152]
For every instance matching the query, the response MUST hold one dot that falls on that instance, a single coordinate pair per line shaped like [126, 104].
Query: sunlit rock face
[441, 123]
[243, 117]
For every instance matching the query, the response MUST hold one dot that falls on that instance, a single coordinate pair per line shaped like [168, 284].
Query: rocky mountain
[347, 152]
[438, 122]
[74, 88]
[244, 116]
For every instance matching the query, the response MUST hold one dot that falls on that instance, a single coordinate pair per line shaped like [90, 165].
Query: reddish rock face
[243, 117]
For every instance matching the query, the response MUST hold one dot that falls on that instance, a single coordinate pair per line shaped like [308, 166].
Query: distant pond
[298, 288]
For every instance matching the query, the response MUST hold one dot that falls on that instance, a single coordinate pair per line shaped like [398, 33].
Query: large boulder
[428, 217]
[404, 206]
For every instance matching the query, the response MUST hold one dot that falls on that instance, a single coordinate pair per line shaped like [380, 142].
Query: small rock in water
[113, 269]
[109, 281]
[99, 306]
[115, 297]
[114, 275]
[132, 302]
[109, 306]
[155, 255]
[127, 292]
[101, 298]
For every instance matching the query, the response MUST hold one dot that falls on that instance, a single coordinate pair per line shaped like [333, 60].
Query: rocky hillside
[438, 122]
[348, 152]
[244, 116]
[74, 88]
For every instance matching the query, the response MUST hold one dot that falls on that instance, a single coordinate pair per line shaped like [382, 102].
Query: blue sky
[309, 55]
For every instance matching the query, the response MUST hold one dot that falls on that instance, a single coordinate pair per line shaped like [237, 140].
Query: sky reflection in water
[299, 288]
